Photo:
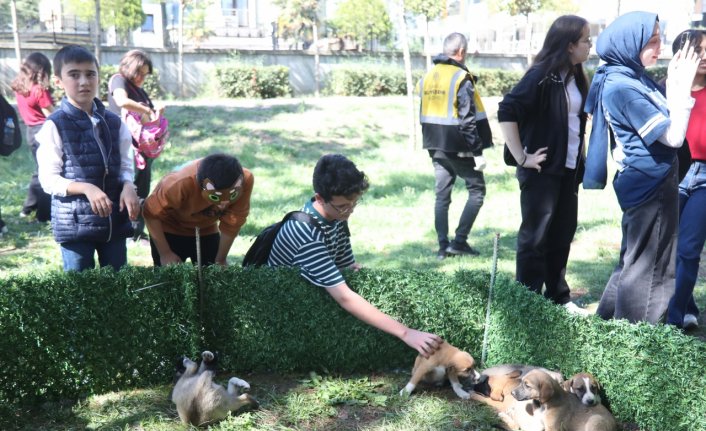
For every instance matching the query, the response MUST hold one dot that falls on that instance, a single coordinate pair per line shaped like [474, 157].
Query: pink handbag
[150, 137]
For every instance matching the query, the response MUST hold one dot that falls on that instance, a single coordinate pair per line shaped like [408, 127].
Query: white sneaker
[690, 321]
[575, 309]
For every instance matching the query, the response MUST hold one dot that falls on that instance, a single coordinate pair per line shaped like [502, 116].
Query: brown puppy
[200, 400]
[495, 388]
[562, 411]
[585, 387]
[447, 362]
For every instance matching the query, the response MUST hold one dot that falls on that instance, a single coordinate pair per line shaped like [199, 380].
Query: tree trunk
[16, 33]
[408, 77]
[180, 56]
[427, 42]
[317, 76]
[97, 36]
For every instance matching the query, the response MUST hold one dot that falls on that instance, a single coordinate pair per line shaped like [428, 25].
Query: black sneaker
[441, 254]
[461, 249]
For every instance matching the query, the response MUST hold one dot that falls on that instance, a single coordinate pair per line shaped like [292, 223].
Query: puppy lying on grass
[447, 362]
[201, 401]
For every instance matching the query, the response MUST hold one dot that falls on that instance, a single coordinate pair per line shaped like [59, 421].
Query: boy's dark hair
[335, 175]
[223, 170]
[73, 54]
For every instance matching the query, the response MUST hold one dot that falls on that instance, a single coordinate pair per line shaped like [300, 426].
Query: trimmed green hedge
[69, 335]
[367, 80]
[264, 82]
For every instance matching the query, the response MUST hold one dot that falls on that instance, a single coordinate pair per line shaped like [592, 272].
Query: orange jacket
[178, 204]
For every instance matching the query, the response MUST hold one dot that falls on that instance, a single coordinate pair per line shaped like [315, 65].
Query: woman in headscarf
[646, 129]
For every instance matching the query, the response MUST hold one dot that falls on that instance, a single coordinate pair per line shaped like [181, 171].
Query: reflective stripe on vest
[438, 90]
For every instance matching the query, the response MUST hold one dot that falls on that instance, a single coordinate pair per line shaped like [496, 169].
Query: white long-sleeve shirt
[50, 157]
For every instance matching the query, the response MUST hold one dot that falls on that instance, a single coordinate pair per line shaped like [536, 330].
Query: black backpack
[11, 136]
[259, 251]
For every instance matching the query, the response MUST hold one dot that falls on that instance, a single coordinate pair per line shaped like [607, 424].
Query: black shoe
[461, 249]
[441, 254]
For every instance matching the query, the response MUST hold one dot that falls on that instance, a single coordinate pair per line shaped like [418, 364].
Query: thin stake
[493, 271]
[200, 275]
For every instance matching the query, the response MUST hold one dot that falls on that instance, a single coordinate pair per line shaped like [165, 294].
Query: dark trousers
[643, 281]
[143, 177]
[445, 173]
[37, 199]
[690, 243]
[549, 206]
[185, 248]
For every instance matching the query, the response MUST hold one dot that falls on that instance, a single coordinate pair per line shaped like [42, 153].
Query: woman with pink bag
[127, 98]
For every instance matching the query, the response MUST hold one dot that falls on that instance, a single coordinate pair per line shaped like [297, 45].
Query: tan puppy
[562, 411]
[447, 362]
[200, 400]
[495, 390]
[585, 387]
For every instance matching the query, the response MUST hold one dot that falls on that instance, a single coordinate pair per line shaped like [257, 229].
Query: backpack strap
[310, 220]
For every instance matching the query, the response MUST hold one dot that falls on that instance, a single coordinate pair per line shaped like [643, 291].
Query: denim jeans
[445, 173]
[79, 255]
[692, 235]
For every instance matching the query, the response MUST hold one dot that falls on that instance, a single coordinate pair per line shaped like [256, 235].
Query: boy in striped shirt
[322, 252]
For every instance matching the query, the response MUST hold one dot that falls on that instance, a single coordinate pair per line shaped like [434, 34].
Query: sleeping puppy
[585, 387]
[447, 362]
[562, 411]
[200, 400]
[495, 390]
[522, 368]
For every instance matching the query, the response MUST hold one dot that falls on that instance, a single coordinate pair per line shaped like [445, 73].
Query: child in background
[86, 164]
[34, 104]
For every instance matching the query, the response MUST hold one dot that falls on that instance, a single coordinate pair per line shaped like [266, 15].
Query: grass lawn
[280, 141]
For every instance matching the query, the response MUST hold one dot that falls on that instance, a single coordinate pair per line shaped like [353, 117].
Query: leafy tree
[526, 7]
[195, 28]
[297, 18]
[125, 15]
[27, 13]
[363, 20]
[430, 9]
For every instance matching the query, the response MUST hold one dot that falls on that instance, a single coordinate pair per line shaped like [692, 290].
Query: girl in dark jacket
[543, 123]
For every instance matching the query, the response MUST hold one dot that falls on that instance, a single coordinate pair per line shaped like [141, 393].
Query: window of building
[148, 24]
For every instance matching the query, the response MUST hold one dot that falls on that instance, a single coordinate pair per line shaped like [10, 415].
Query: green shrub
[370, 80]
[387, 80]
[262, 82]
[496, 82]
[69, 335]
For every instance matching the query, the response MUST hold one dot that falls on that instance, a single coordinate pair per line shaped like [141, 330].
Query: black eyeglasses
[345, 209]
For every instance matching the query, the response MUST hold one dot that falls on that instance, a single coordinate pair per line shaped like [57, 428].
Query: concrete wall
[200, 64]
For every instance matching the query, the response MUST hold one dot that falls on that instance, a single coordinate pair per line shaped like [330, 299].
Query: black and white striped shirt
[319, 253]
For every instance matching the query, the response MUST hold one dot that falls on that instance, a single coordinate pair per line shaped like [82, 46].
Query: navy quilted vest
[87, 161]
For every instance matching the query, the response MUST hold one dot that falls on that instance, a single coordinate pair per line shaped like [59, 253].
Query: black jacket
[538, 105]
[472, 134]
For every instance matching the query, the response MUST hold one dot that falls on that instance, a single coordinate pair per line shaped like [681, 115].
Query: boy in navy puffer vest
[85, 163]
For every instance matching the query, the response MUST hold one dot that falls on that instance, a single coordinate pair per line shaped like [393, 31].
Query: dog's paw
[239, 383]
[207, 356]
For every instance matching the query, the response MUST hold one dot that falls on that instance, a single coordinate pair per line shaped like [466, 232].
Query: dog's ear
[568, 385]
[545, 386]
[514, 374]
